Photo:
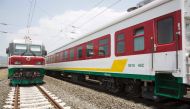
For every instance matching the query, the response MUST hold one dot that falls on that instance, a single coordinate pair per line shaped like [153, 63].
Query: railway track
[33, 97]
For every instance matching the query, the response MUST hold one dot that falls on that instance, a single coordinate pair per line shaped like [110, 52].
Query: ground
[3, 74]
[4, 86]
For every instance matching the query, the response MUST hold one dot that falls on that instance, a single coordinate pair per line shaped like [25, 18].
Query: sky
[57, 22]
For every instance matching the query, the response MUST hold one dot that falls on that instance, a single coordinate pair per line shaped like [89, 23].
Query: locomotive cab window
[35, 48]
[139, 39]
[20, 48]
[79, 52]
[120, 44]
[90, 50]
[103, 49]
[165, 30]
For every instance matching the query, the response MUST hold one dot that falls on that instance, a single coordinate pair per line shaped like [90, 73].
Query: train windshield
[35, 49]
[20, 48]
[28, 50]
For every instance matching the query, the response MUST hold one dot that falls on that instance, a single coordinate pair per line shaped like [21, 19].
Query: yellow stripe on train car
[117, 66]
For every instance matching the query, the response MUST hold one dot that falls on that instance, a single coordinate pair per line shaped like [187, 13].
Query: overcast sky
[57, 22]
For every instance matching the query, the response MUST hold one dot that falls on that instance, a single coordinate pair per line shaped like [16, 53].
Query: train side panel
[161, 65]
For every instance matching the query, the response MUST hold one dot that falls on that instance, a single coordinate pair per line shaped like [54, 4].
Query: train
[145, 53]
[26, 62]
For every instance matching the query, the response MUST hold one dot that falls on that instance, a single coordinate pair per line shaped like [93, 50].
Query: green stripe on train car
[121, 75]
[173, 86]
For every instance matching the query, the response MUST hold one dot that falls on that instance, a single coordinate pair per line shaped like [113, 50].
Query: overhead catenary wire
[9, 24]
[43, 10]
[77, 19]
[82, 15]
[93, 17]
[5, 24]
[7, 32]
[30, 14]
[3, 32]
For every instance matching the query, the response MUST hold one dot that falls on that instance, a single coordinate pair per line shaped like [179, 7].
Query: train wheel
[133, 88]
[112, 85]
[77, 77]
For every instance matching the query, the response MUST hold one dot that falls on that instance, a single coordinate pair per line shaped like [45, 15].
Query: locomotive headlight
[38, 63]
[17, 62]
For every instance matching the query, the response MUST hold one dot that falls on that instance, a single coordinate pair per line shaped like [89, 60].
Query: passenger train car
[26, 62]
[145, 53]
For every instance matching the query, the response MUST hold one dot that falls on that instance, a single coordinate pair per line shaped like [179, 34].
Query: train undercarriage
[25, 76]
[154, 90]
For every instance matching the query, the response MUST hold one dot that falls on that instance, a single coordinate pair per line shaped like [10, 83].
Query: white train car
[146, 52]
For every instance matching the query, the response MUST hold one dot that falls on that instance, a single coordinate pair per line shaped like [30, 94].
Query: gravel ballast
[79, 97]
[76, 96]
[4, 87]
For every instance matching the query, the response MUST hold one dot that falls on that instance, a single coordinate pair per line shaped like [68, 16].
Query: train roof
[128, 15]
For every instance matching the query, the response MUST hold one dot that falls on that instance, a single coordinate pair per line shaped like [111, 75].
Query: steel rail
[50, 98]
[16, 100]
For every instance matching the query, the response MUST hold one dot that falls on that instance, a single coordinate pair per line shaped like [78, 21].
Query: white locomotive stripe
[26, 66]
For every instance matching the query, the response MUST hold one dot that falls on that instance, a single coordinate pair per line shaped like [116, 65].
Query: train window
[79, 52]
[61, 56]
[20, 48]
[89, 50]
[139, 39]
[65, 55]
[71, 54]
[53, 58]
[103, 48]
[47, 59]
[50, 59]
[165, 30]
[120, 43]
[56, 57]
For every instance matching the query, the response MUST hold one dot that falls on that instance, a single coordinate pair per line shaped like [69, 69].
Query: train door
[167, 53]
[167, 43]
